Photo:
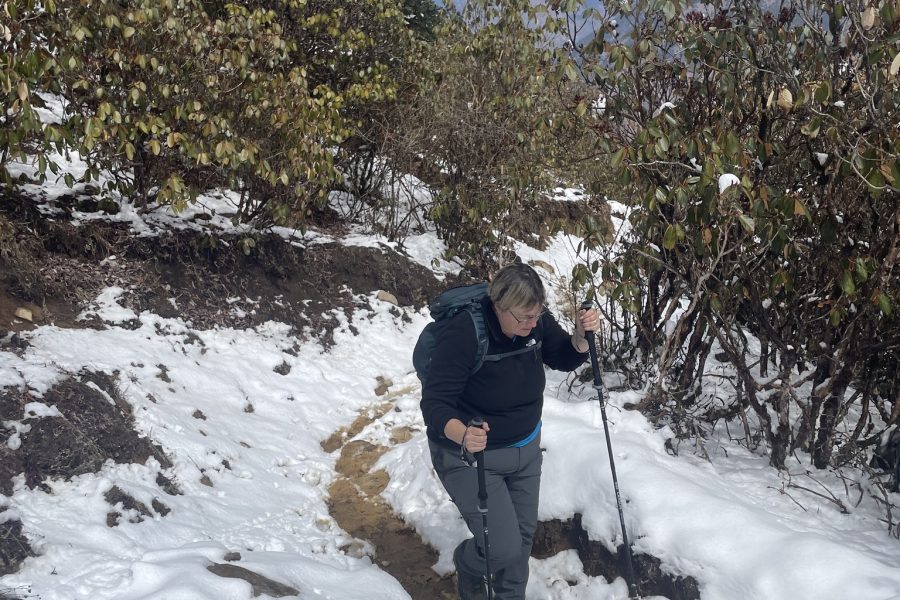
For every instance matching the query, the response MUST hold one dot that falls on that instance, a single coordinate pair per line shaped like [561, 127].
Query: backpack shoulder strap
[481, 336]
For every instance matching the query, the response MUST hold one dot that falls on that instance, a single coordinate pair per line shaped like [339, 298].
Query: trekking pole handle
[479, 459]
[588, 335]
[592, 347]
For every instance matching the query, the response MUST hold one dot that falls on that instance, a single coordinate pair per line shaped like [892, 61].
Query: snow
[720, 515]
[270, 504]
[567, 194]
[107, 309]
[664, 106]
[727, 180]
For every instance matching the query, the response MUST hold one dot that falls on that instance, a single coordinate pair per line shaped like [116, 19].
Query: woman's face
[519, 321]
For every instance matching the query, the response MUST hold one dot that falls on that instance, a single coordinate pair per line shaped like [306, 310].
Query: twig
[837, 501]
[784, 492]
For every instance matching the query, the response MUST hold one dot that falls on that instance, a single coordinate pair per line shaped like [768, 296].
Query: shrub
[487, 125]
[169, 98]
[798, 107]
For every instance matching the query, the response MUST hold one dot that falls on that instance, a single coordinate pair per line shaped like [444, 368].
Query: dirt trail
[357, 506]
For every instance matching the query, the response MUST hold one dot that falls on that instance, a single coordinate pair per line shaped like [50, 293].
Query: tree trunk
[781, 440]
[811, 414]
[650, 315]
[695, 355]
[824, 444]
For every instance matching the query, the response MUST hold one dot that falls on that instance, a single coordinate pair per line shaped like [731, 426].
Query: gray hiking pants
[513, 479]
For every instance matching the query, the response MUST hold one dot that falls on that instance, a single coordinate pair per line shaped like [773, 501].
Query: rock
[542, 265]
[387, 297]
[260, 584]
[383, 386]
[401, 435]
[356, 549]
[24, 314]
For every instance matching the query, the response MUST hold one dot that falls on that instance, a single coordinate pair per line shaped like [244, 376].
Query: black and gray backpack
[448, 304]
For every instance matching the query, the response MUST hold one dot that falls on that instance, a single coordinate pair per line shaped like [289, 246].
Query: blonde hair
[516, 286]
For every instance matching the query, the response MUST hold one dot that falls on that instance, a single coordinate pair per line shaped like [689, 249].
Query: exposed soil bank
[553, 537]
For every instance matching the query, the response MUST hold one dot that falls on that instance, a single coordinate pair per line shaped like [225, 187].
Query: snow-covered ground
[742, 529]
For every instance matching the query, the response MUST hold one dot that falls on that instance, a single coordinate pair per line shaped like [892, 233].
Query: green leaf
[670, 237]
[747, 223]
[692, 149]
[847, 283]
[732, 145]
[862, 270]
[669, 10]
[777, 280]
[875, 180]
[839, 12]
[662, 146]
[811, 129]
[835, 316]
[884, 303]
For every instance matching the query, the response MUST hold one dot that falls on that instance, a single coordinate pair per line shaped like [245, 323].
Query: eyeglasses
[526, 319]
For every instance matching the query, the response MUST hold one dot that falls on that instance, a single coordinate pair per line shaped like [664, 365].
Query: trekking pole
[483, 509]
[598, 385]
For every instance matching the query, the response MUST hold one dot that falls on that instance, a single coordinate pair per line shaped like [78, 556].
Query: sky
[718, 513]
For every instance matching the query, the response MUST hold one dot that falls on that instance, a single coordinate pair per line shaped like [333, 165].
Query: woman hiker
[508, 395]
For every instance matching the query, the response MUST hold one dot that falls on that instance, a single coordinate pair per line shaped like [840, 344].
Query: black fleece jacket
[509, 393]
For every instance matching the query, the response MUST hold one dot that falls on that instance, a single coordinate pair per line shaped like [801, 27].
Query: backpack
[447, 305]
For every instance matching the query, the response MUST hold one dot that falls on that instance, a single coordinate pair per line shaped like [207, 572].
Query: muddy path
[357, 506]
